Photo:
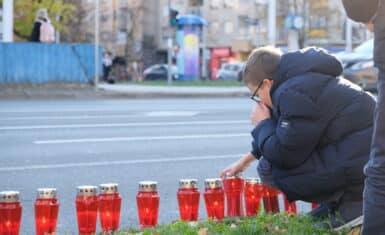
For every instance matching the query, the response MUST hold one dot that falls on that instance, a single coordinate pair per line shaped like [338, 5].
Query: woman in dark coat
[312, 130]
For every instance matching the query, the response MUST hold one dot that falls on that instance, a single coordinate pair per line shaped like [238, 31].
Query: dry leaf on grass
[355, 231]
[203, 231]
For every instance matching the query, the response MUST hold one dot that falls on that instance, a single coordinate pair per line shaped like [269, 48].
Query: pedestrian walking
[43, 30]
[312, 130]
[372, 12]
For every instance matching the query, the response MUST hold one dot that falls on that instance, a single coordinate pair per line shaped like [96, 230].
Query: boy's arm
[238, 166]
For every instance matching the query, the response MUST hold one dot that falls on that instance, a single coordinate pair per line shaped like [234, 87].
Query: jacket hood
[312, 59]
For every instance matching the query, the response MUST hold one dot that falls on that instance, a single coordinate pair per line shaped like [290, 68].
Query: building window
[123, 4]
[242, 32]
[229, 27]
[215, 4]
[252, 31]
[230, 3]
[214, 27]
[104, 18]
[122, 21]
[195, 3]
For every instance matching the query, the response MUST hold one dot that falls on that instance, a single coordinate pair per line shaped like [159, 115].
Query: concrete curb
[173, 91]
[113, 91]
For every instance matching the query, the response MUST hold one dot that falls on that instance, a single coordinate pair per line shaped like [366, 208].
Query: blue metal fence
[39, 63]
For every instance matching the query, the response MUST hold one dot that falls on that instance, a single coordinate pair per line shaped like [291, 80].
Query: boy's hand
[237, 166]
[260, 113]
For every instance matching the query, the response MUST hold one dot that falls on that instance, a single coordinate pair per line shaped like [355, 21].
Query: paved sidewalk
[173, 91]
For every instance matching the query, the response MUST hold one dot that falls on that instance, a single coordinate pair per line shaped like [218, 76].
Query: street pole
[292, 42]
[204, 55]
[8, 21]
[259, 36]
[348, 35]
[272, 12]
[57, 32]
[169, 47]
[96, 79]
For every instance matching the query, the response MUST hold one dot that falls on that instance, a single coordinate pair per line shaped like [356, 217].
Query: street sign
[294, 22]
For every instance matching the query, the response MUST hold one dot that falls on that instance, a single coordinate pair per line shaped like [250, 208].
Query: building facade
[138, 30]
[128, 28]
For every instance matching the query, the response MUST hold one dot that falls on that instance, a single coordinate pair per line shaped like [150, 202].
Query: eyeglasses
[254, 96]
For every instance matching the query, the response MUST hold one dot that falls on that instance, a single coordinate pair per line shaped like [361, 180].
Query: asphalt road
[68, 143]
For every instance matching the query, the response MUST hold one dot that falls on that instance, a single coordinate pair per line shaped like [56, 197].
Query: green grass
[191, 83]
[265, 224]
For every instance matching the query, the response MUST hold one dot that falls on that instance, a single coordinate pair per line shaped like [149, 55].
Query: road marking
[111, 163]
[171, 114]
[80, 117]
[144, 138]
[67, 117]
[132, 124]
[104, 108]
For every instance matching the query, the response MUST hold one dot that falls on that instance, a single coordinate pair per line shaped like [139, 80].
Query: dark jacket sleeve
[289, 141]
[361, 10]
[35, 34]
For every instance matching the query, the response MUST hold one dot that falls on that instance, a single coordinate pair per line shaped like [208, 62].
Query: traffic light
[173, 17]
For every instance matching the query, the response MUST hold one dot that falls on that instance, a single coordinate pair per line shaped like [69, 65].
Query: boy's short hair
[261, 64]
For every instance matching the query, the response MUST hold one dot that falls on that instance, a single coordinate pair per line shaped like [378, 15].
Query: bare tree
[76, 32]
[134, 44]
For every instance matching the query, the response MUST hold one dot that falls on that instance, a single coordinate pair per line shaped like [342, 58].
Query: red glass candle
[234, 191]
[314, 205]
[10, 213]
[86, 209]
[188, 199]
[214, 198]
[147, 201]
[46, 211]
[109, 207]
[270, 199]
[253, 195]
[290, 208]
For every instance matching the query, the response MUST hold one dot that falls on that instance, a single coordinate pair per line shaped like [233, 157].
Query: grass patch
[265, 224]
[191, 83]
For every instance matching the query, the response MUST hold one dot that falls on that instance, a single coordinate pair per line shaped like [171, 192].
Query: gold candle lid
[236, 176]
[253, 181]
[188, 183]
[148, 186]
[109, 188]
[46, 193]
[86, 190]
[213, 183]
[9, 196]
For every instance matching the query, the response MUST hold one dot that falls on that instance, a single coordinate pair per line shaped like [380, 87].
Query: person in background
[107, 64]
[43, 30]
[135, 72]
[372, 12]
[312, 130]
